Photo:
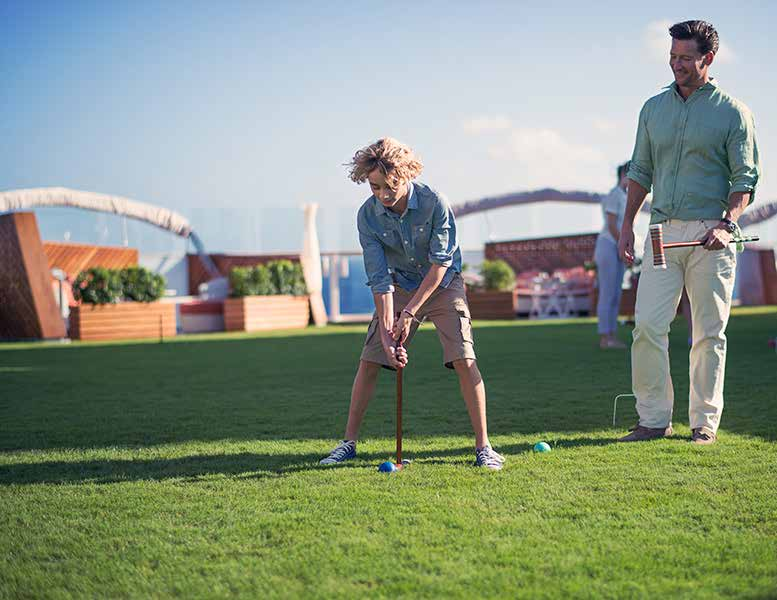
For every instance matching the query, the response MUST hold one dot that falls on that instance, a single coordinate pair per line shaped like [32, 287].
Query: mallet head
[657, 243]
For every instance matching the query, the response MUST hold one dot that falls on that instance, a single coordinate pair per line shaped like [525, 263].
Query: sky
[235, 114]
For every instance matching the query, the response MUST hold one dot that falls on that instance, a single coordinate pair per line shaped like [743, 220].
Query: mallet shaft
[399, 416]
[399, 406]
[752, 238]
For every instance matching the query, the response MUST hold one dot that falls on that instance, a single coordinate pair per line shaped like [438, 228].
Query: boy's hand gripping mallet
[657, 242]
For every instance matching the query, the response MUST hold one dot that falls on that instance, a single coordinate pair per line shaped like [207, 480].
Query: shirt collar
[710, 85]
[412, 201]
[412, 197]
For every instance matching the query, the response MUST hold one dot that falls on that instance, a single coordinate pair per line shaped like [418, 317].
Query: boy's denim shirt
[400, 249]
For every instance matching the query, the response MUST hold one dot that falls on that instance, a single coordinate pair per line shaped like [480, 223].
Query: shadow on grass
[243, 464]
[539, 378]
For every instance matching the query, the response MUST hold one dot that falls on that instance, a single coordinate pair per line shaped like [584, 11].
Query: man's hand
[397, 357]
[626, 245]
[401, 329]
[717, 238]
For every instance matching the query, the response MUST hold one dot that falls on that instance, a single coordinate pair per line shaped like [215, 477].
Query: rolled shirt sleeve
[742, 152]
[641, 167]
[375, 264]
[443, 242]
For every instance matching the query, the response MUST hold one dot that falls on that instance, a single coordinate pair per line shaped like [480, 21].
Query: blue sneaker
[489, 458]
[345, 450]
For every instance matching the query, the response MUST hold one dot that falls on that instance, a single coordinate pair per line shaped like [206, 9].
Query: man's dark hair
[704, 33]
[622, 169]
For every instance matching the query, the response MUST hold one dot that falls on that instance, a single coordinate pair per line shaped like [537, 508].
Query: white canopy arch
[163, 218]
[753, 216]
[58, 196]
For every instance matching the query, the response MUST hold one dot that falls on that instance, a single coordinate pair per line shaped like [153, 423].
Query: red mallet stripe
[657, 243]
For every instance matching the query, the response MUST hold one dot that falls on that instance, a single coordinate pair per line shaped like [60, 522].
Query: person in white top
[609, 266]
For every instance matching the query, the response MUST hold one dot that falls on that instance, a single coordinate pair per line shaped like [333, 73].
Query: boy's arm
[429, 283]
[380, 281]
[384, 306]
[442, 245]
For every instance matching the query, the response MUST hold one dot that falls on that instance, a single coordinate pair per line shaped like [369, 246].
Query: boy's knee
[369, 368]
[463, 365]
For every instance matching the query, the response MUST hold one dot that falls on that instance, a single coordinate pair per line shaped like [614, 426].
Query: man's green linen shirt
[694, 153]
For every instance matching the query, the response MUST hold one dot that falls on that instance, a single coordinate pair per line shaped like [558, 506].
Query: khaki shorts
[447, 308]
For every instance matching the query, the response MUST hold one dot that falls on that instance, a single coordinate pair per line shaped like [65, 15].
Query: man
[696, 147]
[413, 263]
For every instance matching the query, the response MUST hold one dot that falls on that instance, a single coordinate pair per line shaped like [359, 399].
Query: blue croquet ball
[387, 467]
[541, 447]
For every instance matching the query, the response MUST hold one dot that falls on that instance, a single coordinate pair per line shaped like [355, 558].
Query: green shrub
[287, 277]
[262, 282]
[106, 286]
[141, 285]
[97, 286]
[497, 275]
[251, 281]
[240, 281]
[276, 277]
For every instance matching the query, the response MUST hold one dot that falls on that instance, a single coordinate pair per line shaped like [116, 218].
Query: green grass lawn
[189, 469]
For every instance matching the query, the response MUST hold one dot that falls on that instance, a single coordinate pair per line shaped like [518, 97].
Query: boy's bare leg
[361, 394]
[474, 391]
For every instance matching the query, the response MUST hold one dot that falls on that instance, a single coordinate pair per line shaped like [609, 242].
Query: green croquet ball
[541, 447]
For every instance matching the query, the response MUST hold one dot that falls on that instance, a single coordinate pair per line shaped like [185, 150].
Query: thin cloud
[725, 55]
[486, 124]
[657, 40]
[603, 125]
[550, 159]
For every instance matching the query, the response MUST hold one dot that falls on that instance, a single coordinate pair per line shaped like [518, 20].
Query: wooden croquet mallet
[657, 242]
[399, 406]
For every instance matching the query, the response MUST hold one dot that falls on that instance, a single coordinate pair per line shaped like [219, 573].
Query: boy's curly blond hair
[394, 159]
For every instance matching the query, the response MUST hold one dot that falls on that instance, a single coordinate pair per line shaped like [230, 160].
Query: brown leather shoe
[703, 436]
[643, 434]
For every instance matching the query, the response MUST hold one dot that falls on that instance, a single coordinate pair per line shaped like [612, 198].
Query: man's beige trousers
[709, 278]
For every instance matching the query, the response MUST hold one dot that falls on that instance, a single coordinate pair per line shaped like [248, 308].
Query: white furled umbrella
[311, 265]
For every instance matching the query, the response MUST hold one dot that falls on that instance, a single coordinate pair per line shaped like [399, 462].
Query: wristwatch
[412, 316]
[731, 227]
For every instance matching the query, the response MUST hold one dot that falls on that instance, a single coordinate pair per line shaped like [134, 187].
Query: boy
[413, 262]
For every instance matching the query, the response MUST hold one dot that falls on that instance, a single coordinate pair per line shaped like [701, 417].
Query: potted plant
[271, 296]
[120, 304]
[496, 298]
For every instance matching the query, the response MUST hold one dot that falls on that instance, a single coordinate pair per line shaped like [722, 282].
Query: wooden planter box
[125, 320]
[492, 305]
[256, 313]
